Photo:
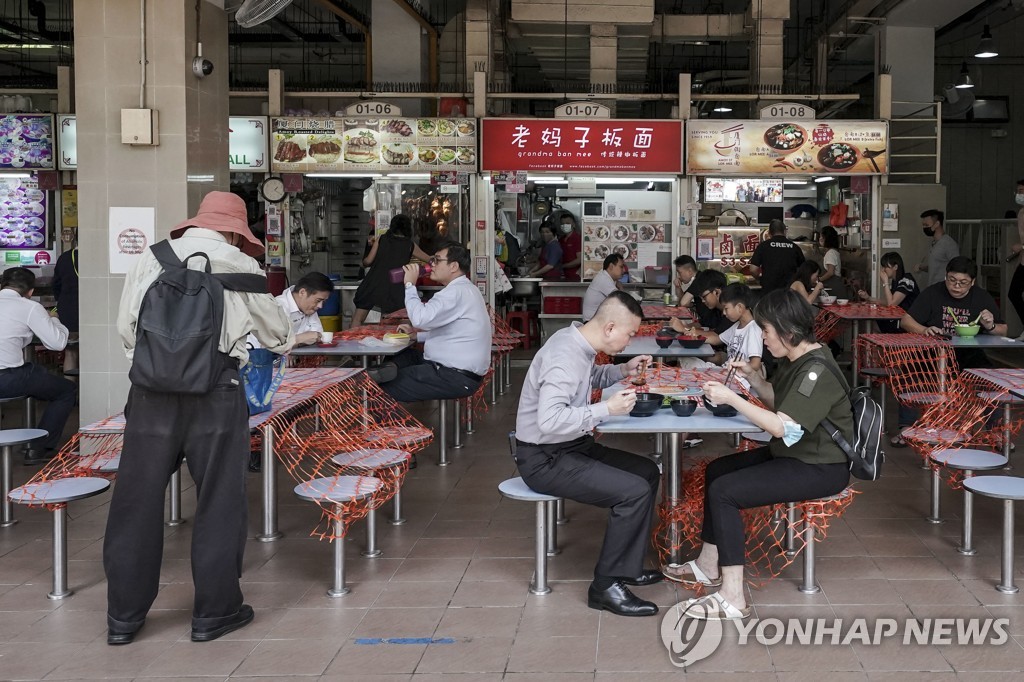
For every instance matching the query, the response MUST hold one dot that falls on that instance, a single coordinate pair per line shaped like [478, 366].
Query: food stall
[28, 184]
[619, 179]
[808, 173]
[347, 177]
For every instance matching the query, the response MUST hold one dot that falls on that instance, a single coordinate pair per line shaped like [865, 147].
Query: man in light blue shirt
[455, 329]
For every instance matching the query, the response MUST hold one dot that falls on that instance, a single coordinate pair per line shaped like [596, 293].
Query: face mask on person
[1019, 198]
[565, 229]
[928, 231]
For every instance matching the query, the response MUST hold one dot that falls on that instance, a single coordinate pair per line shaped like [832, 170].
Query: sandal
[689, 573]
[897, 442]
[714, 607]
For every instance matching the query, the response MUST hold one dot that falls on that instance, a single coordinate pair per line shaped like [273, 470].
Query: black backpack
[865, 453]
[179, 325]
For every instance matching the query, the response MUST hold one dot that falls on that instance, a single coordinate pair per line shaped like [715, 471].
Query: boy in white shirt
[744, 339]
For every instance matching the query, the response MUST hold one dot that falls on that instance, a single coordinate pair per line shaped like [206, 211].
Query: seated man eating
[455, 330]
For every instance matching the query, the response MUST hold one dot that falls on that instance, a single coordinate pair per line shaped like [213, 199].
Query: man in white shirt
[301, 303]
[210, 430]
[455, 329]
[21, 320]
[604, 283]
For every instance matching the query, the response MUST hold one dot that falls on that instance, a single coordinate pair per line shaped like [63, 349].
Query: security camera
[202, 67]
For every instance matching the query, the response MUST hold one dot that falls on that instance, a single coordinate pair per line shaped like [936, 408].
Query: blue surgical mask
[792, 433]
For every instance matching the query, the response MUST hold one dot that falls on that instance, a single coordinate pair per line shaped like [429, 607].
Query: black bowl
[720, 410]
[647, 404]
[684, 407]
[691, 342]
[664, 341]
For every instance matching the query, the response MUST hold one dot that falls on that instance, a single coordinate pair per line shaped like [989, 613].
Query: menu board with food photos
[26, 141]
[22, 213]
[600, 240]
[375, 145]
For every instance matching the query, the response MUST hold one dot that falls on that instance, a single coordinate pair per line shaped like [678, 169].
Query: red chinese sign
[567, 145]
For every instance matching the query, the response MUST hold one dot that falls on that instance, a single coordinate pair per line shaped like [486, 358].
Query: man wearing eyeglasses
[455, 330]
[952, 301]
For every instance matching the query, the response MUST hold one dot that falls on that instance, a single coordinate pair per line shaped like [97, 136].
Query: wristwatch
[408, 285]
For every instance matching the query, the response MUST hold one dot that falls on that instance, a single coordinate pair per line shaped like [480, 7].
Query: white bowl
[842, 301]
[826, 300]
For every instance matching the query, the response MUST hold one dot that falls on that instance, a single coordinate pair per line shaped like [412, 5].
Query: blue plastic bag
[262, 376]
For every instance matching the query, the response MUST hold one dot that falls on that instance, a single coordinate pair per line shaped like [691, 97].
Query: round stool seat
[875, 372]
[60, 491]
[841, 495]
[968, 459]
[400, 436]
[516, 489]
[71, 373]
[17, 397]
[999, 487]
[921, 398]
[21, 436]
[933, 435]
[338, 489]
[1001, 397]
[106, 463]
[370, 460]
[757, 436]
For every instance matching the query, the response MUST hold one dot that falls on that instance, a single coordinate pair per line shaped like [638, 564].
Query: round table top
[516, 489]
[369, 459]
[106, 462]
[400, 435]
[933, 435]
[58, 491]
[20, 436]
[339, 489]
[999, 487]
[968, 459]
[1001, 397]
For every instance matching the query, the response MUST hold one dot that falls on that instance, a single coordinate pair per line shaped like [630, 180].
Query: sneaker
[383, 373]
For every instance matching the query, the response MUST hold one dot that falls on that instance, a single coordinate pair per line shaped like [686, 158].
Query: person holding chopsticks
[801, 462]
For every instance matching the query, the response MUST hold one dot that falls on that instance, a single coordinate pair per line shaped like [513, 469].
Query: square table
[297, 389]
[1011, 380]
[658, 311]
[862, 312]
[666, 422]
[646, 345]
[351, 348]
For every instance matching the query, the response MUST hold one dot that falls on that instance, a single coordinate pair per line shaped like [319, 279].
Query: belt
[463, 372]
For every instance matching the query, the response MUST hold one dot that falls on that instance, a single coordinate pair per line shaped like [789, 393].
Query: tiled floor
[455, 576]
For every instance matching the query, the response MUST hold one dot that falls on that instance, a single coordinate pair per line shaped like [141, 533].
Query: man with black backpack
[184, 327]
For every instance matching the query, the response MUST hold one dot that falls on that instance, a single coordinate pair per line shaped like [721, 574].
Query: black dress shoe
[239, 620]
[118, 638]
[383, 373]
[620, 601]
[646, 578]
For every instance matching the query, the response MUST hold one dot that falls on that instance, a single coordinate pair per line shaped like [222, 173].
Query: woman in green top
[800, 463]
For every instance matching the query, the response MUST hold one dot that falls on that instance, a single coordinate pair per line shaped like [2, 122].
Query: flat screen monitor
[744, 190]
[766, 214]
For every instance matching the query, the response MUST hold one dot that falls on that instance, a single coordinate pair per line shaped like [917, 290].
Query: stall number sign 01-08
[786, 110]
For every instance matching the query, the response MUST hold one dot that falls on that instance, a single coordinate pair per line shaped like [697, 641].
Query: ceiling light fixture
[964, 80]
[987, 46]
[824, 178]
[722, 109]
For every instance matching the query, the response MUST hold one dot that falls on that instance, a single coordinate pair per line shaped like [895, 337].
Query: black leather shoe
[34, 457]
[620, 601]
[383, 373]
[646, 578]
[240, 620]
[119, 638]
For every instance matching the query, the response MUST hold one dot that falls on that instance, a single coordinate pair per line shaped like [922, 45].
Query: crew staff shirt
[554, 406]
[300, 321]
[453, 325]
[599, 288]
[778, 259]
[21, 320]
[243, 312]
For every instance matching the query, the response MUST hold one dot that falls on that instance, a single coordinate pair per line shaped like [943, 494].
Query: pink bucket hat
[223, 212]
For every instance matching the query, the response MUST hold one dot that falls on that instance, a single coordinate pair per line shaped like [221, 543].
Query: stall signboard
[26, 141]
[22, 213]
[247, 143]
[566, 145]
[373, 145]
[718, 147]
[67, 142]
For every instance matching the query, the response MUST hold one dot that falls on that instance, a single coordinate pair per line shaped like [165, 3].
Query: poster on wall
[247, 143]
[131, 232]
[302, 145]
[67, 142]
[799, 147]
[26, 141]
[69, 207]
[22, 213]
[637, 243]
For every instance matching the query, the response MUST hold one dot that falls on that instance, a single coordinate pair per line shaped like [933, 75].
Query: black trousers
[1016, 291]
[624, 483]
[211, 432]
[419, 379]
[59, 393]
[754, 479]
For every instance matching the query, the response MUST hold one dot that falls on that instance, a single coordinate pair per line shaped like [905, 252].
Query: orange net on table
[476, 404]
[376, 331]
[919, 367]
[827, 326]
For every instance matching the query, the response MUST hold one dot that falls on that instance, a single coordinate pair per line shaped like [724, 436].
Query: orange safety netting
[919, 367]
[769, 548]
[376, 331]
[828, 327]
[476, 404]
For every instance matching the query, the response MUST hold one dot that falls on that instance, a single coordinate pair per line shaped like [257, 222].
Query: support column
[398, 49]
[172, 177]
[604, 68]
[766, 56]
[910, 53]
